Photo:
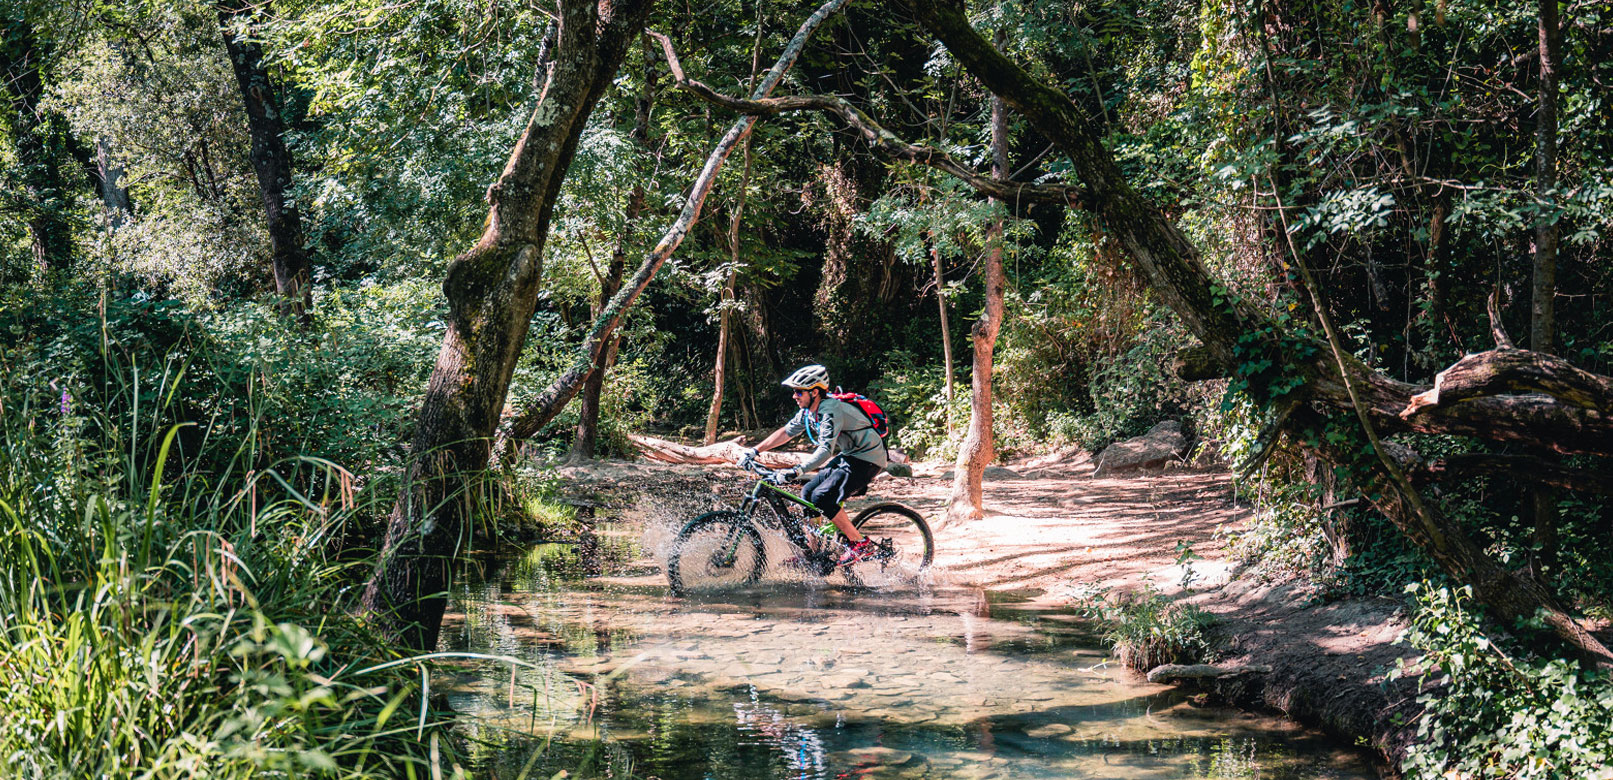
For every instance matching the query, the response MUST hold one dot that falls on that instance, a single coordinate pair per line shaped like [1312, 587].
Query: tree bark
[1543, 295]
[720, 365]
[271, 161]
[586, 440]
[1525, 469]
[946, 328]
[492, 291]
[978, 450]
[554, 398]
[114, 197]
[1544, 288]
[40, 140]
[726, 306]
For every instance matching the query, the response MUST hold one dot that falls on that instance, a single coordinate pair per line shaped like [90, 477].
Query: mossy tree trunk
[492, 291]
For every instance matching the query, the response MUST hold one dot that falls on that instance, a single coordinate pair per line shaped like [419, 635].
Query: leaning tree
[492, 291]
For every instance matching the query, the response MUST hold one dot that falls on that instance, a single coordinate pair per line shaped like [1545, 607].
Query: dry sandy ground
[1053, 533]
[1056, 532]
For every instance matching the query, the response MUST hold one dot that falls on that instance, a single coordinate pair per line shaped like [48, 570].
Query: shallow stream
[812, 679]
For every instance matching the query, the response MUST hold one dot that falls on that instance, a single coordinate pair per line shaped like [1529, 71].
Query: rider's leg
[828, 489]
[843, 522]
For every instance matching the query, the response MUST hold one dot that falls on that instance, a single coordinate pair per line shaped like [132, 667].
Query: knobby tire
[900, 532]
[715, 550]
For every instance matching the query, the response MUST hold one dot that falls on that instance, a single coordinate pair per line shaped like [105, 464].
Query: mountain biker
[834, 425]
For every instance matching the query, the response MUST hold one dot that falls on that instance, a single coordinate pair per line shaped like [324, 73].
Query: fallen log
[1175, 674]
[1515, 372]
[721, 453]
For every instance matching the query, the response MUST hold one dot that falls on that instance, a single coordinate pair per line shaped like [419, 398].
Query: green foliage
[1493, 710]
[166, 616]
[1137, 388]
[914, 396]
[338, 391]
[159, 92]
[1148, 628]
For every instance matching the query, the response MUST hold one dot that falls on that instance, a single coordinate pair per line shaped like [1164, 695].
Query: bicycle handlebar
[775, 476]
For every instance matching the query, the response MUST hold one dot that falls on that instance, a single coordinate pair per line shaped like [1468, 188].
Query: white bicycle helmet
[807, 377]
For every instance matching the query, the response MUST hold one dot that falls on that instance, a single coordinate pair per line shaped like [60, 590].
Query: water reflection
[801, 680]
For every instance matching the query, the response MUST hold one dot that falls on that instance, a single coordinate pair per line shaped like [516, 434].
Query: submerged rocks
[1170, 674]
[1163, 444]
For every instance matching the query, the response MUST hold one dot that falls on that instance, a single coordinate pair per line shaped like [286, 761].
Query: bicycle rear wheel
[714, 551]
[902, 540]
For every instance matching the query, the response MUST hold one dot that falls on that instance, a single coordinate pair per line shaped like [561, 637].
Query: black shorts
[839, 479]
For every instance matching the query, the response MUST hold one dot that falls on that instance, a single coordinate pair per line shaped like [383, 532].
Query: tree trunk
[978, 450]
[271, 160]
[586, 440]
[946, 329]
[726, 302]
[1544, 288]
[719, 368]
[114, 197]
[40, 140]
[492, 291]
[553, 399]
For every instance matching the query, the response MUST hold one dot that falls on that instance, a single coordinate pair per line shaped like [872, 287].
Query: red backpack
[877, 418]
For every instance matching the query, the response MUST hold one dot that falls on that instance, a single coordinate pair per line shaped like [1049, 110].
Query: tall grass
[168, 607]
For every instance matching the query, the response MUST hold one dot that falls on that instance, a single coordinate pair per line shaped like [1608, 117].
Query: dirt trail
[1052, 533]
[1055, 532]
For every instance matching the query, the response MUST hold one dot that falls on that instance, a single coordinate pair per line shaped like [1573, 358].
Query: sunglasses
[800, 392]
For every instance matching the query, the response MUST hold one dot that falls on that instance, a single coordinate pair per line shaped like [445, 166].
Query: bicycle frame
[793, 526]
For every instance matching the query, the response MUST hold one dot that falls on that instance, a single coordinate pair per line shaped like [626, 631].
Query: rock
[898, 469]
[995, 473]
[882, 756]
[1176, 673]
[1064, 457]
[1162, 444]
[1049, 730]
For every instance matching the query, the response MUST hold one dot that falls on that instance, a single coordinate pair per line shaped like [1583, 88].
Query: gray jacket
[838, 426]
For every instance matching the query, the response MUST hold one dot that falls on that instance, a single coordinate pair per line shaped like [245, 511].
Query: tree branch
[1515, 372]
[883, 141]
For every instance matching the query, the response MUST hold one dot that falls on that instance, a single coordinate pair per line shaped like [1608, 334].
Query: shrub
[1491, 709]
[1147, 629]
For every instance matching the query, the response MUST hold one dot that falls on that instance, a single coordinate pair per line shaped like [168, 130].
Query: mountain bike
[725, 548]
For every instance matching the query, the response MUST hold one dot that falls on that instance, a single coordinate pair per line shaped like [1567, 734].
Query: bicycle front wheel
[714, 551]
[901, 538]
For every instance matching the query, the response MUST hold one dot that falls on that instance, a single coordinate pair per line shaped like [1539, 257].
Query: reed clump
[174, 604]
